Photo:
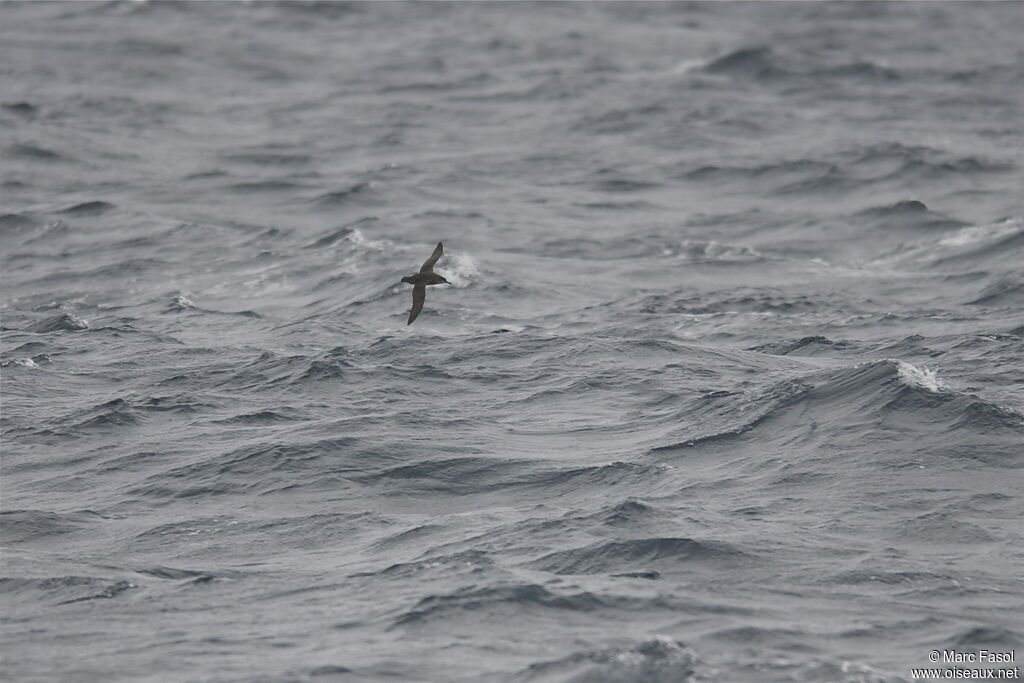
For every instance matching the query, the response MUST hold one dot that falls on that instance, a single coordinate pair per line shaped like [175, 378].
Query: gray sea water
[727, 386]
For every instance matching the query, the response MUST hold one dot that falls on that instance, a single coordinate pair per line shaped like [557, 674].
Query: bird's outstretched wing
[419, 293]
[429, 263]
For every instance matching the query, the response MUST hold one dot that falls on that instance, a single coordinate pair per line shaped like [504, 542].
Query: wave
[636, 555]
[985, 248]
[342, 462]
[25, 109]
[346, 232]
[906, 214]
[31, 363]
[630, 512]
[65, 322]
[1000, 243]
[478, 603]
[781, 171]
[268, 157]
[1004, 291]
[806, 346]
[270, 370]
[623, 474]
[973, 637]
[263, 187]
[30, 152]
[659, 659]
[23, 526]
[713, 251]
[620, 121]
[63, 590]
[11, 223]
[265, 417]
[182, 304]
[283, 533]
[759, 63]
[32, 230]
[616, 185]
[267, 468]
[887, 166]
[744, 299]
[117, 414]
[764, 64]
[175, 574]
[359, 194]
[459, 475]
[885, 400]
[93, 208]
[470, 80]
[109, 416]
[695, 250]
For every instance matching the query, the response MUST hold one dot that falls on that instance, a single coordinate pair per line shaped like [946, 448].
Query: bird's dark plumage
[419, 281]
[428, 265]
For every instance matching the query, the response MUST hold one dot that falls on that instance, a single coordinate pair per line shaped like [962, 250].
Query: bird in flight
[420, 280]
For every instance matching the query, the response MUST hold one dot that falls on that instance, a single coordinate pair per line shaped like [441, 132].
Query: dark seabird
[420, 280]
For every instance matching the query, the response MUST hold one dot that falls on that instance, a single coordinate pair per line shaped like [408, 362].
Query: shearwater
[420, 280]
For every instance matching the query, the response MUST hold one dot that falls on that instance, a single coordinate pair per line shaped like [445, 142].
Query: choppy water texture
[728, 385]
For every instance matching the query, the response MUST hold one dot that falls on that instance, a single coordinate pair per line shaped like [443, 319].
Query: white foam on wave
[688, 66]
[357, 237]
[919, 378]
[719, 251]
[963, 240]
[461, 269]
[976, 234]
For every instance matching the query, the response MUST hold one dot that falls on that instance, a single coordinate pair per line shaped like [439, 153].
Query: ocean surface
[728, 384]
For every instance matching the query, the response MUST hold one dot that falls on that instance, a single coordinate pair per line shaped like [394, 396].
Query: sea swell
[726, 384]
